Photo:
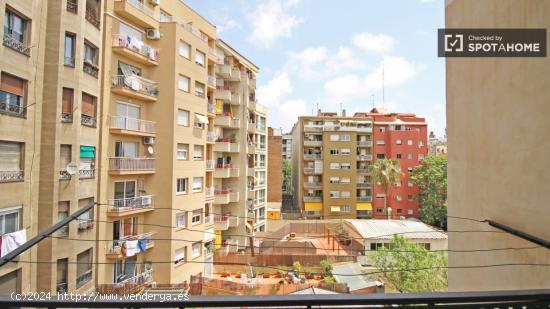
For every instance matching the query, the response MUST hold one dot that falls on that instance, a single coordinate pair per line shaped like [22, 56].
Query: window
[92, 12]
[380, 142]
[11, 161]
[410, 197]
[345, 138]
[199, 89]
[201, 121]
[399, 210]
[67, 103]
[87, 161]
[181, 220]
[380, 156]
[345, 151]
[409, 169]
[197, 215]
[380, 210]
[181, 186]
[124, 228]
[334, 180]
[334, 152]
[184, 50]
[125, 192]
[334, 137]
[16, 30]
[62, 275]
[183, 117]
[183, 83]
[398, 198]
[196, 249]
[126, 149]
[410, 156]
[199, 57]
[90, 53]
[345, 194]
[345, 166]
[334, 194]
[382, 130]
[197, 184]
[410, 211]
[65, 156]
[345, 208]
[334, 166]
[345, 180]
[165, 17]
[85, 220]
[410, 142]
[83, 268]
[10, 219]
[12, 95]
[398, 156]
[198, 152]
[398, 142]
[420, 156]
[70, 39]
[88, 110]
[182, 151]
[63, 208]
[379, 196]
[420, 143]
[180, 256]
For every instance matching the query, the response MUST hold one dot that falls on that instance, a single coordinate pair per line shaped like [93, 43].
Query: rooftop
[384, 229]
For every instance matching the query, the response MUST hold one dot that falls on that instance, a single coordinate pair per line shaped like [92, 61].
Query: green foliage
[386, 172]
[327, 268]
[329, 280]
[431, 177]
[403, 254]
[287, 175]
[297, 267]
[282, 270]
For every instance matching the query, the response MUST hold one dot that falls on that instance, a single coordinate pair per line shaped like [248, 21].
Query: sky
[332, 54]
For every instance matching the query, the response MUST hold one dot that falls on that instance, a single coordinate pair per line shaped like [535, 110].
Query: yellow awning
[313, 206]
[364, 206]
[335, 208]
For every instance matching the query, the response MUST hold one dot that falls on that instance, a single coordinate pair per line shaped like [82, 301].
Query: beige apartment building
[240, 152]
[330, 159]
[498, 132]
[48, 114]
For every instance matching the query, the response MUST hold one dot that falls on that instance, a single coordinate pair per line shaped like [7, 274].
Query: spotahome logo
[491, 43]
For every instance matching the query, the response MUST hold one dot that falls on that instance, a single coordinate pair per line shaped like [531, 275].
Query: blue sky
[332, 52]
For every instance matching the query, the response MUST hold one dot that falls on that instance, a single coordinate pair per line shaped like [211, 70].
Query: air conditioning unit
[148, 140]
[154, 2]
[146, 200]
[153, 33]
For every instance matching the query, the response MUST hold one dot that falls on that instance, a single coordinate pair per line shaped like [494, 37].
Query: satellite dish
[71, 168]
[150, 150]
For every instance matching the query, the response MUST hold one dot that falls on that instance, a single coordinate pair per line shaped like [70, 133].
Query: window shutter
[65, 156]
[12, 84]
[88, 105]
[10, 156]
[67, 100]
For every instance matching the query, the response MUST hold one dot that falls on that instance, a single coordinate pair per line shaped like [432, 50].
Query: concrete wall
[498, 130]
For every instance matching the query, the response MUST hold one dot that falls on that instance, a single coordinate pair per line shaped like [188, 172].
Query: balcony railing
[364, 198]
[140, 6]
[364, 143]
[127, 286]
[211, 80]
[72, 6]
[15, 44]
[92, 15]
[364, 157]
[83, 278]
[313, 198]
[313, 143]
[211, 108]
[69, 61]
[210, 164]
[312, 185]
[10, 176]
[209, 191]
[131, 203]
[66, 117]
[116, 246]
[12, 109]
[211, 136]
[313, 128]
[364, 185]
[132, 124]
[362, 170]
[131, 164]
[87, 120]
[90, 68]
[64, 175]
[135, 45]
[313, 156]
[136, 83]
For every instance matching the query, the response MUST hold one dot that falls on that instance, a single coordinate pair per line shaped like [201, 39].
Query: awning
[313, 206]
[364, 206]
[335, 208]
[201, 118]
[87, 152]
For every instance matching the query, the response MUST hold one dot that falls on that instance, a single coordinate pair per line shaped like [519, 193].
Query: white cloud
[272, 20]
[374, 43]
[275, 91]
[289, 112]
[226, 24]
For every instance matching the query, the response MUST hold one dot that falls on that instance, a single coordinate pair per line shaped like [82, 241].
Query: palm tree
[386, 172]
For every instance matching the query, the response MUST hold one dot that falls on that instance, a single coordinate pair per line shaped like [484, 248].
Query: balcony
[251, 83]
[364, 213]
[222, 93]
[90, 68]
[313, 185]
[127, 286]
[364, 143]
[225, 146]
[313, 198]
[226, 172]
[130, 205]
[64, 175]
[363, 129]
[87, 120]
[227, 122]
[211, 108]
[118, 249]
[364, 157]
[209, 192]
[313, 143]
[235, 99]
[312, 171]
[12, 109]
[86, 174]
[313, 156]
[128, 166]
[221, 222]
[211, 81]
[137, 12]
[15, 44]
[233, 221]
[222, 196]
[132, 126]
[363, 170]
[234, 197]
[66, 117]
[313, 128]
[210, 164]
[11, 176]
[195, 31]
[363, 185]
[364, 198]
[134, 86]
[251, 127]
[134, 49]
[228, 72]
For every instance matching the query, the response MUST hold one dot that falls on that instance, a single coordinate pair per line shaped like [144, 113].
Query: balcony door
[125, 191]
[128, 116]
[126, 149]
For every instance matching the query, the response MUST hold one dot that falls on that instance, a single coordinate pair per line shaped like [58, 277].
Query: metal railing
[364, 143]
[136, 83]
[69, 61]
[313, 198]
[313, 184]
[313, 156]
[313, 143]
[131, 203]
[210, 164]
[132, 124]
[135, 45]
[90, 68]
[66, 117]
[313, 128]
[131, 164]
[364, 157]
[12, 109]
[115, 247]
[16, 45]
[92, 15]
[9, 176]
[64, 175]
[72, 6]
[87, 120]
[83, 278]
[364, 198]
[211, 80]
[209, 191]
[364, 185]
[140, 6]
[362, 170]
[211, 108]
[472, 300]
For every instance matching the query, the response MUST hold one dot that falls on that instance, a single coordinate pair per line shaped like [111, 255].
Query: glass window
[180, 256]
[196, 249]
[12, 93]
[181, 220]
[10, 220]
[90, 53]
[183, 118]
[70, 39]
[126, 149]
[183, 83]
[181, 185]
[398, 142]
[334, 137]
[197, 184]
[84, 267]
[199, 57]
[182, 151]
[199, 89]
[197, 214]
[198, 152]
[15, 26]
[184, 50]
[10, 156]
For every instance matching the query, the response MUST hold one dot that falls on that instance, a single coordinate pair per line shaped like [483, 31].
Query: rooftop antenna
[372, 95]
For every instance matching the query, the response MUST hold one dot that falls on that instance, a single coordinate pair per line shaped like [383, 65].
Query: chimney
[343, 113]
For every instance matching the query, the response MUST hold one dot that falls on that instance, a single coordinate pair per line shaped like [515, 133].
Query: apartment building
[157, 81]
[240, 151]
[287, 146]
[274, 172]
[331, 155]
[48, 115]
[498, 171]
[437, 146]
[402, 137]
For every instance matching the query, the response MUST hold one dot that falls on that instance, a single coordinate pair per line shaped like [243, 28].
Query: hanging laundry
[142, 244]
[131, 248]
[12, 241]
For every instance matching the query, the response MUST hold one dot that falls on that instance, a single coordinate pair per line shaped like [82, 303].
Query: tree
[287, 175]
[431, 177]
[386, 172]
[427, 270]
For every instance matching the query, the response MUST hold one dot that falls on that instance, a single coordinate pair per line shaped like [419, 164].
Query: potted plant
[297, 267]
[281, 271]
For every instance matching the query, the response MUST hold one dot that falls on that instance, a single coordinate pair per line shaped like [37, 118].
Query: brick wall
[274, 167]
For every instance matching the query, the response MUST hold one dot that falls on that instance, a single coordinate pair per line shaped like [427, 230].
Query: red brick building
[403, 137]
